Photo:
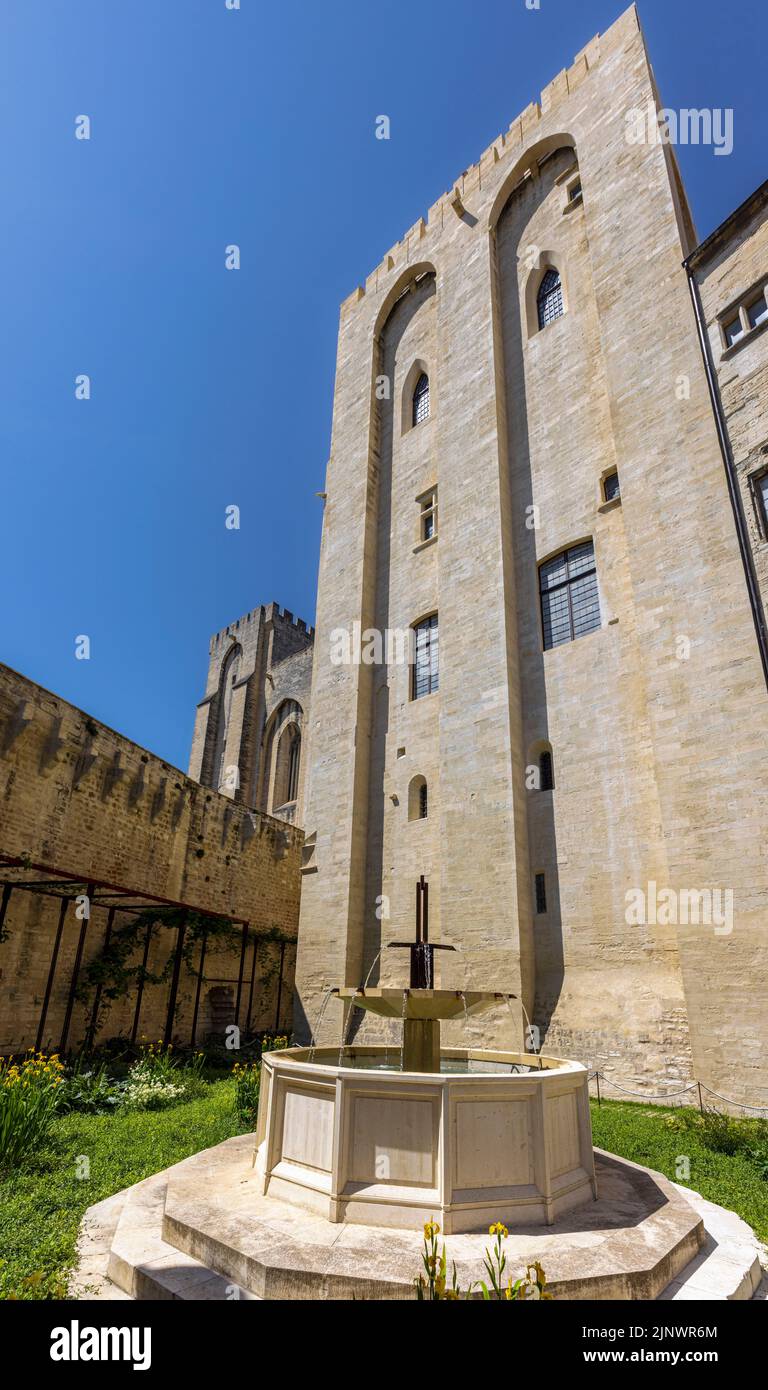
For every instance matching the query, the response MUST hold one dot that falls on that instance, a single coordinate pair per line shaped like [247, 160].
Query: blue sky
[257, 127]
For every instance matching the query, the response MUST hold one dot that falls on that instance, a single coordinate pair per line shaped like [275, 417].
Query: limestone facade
[251, 721]
[594, 900]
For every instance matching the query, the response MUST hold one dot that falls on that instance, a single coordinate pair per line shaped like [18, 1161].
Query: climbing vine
[116, 973]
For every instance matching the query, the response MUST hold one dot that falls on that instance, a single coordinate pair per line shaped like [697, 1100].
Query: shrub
[29, 1096]
[88, 1090]
[159, 1079]
[247, 1076]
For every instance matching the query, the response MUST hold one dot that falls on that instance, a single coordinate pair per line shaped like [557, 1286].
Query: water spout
[313, 1040]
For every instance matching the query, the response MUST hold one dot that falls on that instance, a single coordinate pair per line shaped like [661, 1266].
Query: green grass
[641, 1134]
[41, 1206]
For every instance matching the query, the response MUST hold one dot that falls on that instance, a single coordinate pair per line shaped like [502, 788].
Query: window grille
[570, 604]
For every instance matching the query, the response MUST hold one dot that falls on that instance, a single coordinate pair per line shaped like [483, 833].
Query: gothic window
[426, 672]
[546, 771]
[421, 400]
[570, 604]
[549, 300]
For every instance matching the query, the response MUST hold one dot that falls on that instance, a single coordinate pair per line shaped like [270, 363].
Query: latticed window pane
[426, 668]
[570, 604]
[757, 312]
[550, 298]
[421, 399]
[611, 487]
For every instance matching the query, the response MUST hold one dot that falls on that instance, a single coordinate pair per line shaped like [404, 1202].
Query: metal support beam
[197, 990]
[140, 990]
[51, 974]
[240, 974]
[279, 987]
[91, 1034]
[253, 980]
[168, 1036]
[76, 971]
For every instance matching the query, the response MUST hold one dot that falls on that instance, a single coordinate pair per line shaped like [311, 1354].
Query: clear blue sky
[209, 387]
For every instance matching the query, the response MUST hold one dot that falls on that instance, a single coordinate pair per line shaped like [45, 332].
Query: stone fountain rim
[291, 1057]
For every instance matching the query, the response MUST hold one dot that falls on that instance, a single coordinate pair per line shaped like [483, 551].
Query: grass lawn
[640, 1133]
[41, 1206]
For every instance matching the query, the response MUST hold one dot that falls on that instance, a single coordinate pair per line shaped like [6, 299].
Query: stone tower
[524, 463]
[249, 728]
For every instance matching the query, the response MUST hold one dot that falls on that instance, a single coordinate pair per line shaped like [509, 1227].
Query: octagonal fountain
[382, 1136]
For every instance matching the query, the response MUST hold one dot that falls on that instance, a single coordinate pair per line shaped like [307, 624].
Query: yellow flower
[497, 1229]
[431, 1229]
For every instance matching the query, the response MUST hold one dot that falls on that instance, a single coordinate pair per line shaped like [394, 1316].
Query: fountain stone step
[632, 1243]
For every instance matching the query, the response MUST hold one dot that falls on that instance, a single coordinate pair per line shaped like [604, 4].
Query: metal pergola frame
[46, 880]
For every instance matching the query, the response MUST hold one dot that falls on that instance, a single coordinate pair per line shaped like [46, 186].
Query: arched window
[421, 400]
[546, 771]
[549, 300]
[570, 603]
[418, 803]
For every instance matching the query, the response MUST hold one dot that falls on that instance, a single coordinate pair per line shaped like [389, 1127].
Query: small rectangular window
[541, 894]
[757, 311]
[611, 488]
[574, 191]
[733, 330]
[428, 515]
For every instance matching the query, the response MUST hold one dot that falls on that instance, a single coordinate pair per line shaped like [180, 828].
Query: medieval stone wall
[75, 795]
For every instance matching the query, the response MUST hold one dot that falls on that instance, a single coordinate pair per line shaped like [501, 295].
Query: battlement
[270, 612]
[509, 143]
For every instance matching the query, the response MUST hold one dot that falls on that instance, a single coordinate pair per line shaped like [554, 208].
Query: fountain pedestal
[421, 1044]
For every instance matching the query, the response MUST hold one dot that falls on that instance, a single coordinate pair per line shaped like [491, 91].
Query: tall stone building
[525, 463]
[250, 723]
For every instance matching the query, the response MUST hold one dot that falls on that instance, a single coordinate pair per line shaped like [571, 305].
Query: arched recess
[281, 748]
[528, 163]
[228, 678]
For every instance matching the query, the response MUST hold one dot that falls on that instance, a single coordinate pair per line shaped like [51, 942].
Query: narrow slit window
[541, 894]
[546, 773]
[428, 515]
[423, 802]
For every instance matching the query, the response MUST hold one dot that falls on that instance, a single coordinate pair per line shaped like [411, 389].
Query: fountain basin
[361, 1144]
[421, 1011]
